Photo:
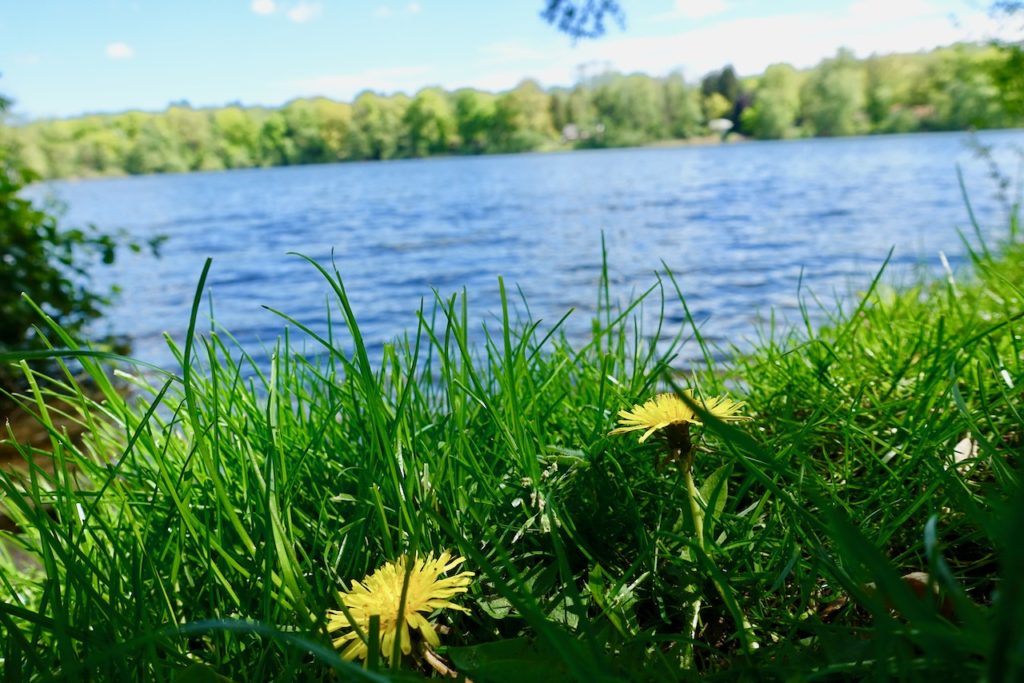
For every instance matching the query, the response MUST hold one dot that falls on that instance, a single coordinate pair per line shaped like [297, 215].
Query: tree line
[949, 88]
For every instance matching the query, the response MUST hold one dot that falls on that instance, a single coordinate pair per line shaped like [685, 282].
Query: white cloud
[120, 51]
[263, 6]
[28, 59]
[697, 9]
[346, 86]
[507, 51]
[304, 11]
[497, 81]
[386, 11]
[750, 43]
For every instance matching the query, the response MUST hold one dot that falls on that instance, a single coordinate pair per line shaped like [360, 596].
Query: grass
[203, 523]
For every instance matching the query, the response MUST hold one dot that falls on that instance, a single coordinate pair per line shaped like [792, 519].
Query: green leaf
[498, 608]
[198, 673]
[715, 492]
[513, 660]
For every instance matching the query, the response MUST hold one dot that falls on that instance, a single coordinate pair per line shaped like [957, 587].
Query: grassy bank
[203, 528]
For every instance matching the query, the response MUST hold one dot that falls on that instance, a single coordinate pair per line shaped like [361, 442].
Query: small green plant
[673, 416]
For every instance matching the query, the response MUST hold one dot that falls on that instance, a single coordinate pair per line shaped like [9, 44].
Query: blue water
[738, 224]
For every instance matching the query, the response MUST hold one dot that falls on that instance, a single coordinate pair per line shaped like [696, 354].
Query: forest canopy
[950, 88]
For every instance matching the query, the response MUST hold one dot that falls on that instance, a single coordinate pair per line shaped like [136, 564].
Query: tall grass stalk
[203, 522]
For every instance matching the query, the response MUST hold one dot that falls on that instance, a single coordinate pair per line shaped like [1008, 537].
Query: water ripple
[739, 226]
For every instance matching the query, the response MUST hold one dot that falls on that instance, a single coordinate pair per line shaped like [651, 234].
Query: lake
[738, 224]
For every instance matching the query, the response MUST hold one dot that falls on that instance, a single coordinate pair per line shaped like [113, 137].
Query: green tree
[558, 102]
[101, 151]
[581, 110]
[715, 106]
[474, 119]
[32, 152]
[193, 130]
[430, 124]
[896, 91]
[632, 109]
[277, 145]
[238, 137]
[832, 98]
[573, 114]
[302, 128]
[335, 121]
[963, 93]
[155, 149]
[316, 129]
[682, 107]
[57, 147]
[776, 104]
[376, 130]
[1007, 71]
[726, 84]
[1006, 66]
[522, 119]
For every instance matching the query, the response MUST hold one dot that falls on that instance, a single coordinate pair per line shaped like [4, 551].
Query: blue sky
[65, 57]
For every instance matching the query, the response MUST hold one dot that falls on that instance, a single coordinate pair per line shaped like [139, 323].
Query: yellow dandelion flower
[665, 410]
[380, 594]
[661, 411]
[725, 409]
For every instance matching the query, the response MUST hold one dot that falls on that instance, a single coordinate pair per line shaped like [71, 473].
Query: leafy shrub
[45, 262]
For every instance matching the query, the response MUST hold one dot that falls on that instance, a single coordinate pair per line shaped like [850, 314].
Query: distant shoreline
[947, 89]
[702, 141]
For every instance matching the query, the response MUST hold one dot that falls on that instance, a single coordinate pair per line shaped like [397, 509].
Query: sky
[68, 57]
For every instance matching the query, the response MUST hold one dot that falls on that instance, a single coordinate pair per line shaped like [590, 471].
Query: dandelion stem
[439, 665]
[697, 515]
[695, 509]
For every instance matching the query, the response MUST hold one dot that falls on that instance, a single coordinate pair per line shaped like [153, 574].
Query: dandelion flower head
[380, 594]
[659, 412]
[665, 410]
[725, 409]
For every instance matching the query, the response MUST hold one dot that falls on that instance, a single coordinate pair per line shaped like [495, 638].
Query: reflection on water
[737, 224]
